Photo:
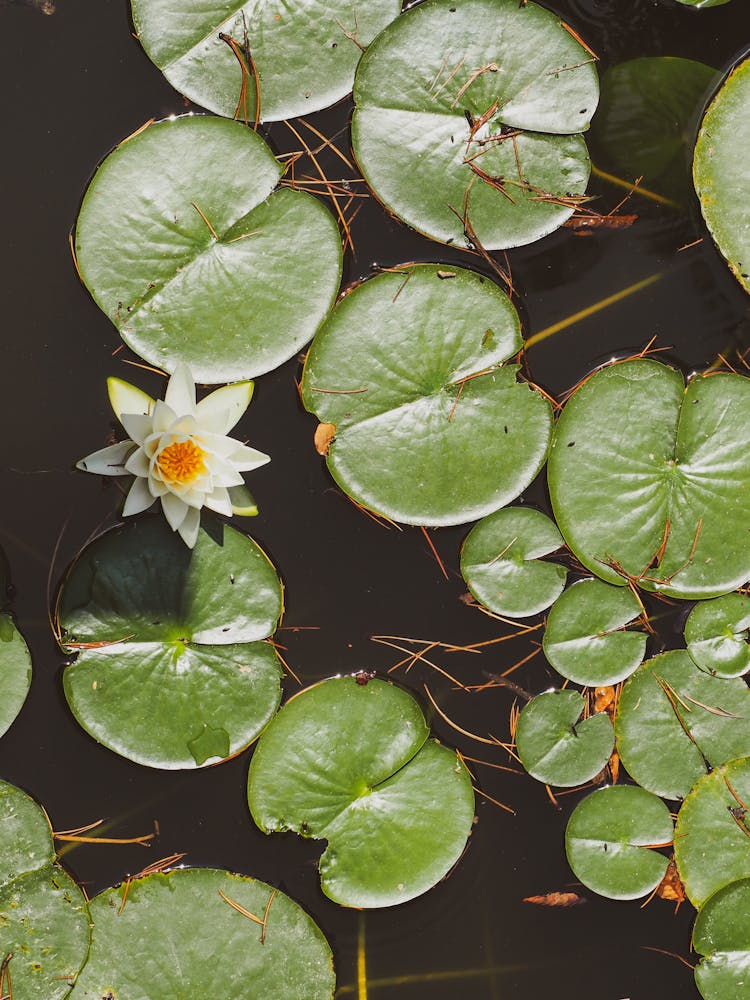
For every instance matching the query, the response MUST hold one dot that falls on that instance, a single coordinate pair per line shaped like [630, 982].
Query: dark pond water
[72, 84]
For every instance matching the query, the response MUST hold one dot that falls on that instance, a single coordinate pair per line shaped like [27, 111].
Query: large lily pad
[649, 478]
[674, 721]
[722, 177]
[176, 937]
[476, 105]
[716, 633]
[15, 672]
[430, 427]
[305, 51]
[722, 936]
[172, 671]
[185, 245]
[351, 763]
[44, 920]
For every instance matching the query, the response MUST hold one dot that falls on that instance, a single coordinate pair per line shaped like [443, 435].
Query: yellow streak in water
[361, 959]
[629, 186]
[434, 977]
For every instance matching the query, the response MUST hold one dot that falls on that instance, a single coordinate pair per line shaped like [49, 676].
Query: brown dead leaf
[556, 899]
[324, 434]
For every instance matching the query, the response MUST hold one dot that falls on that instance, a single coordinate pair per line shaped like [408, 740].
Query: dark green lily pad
[716, 633]
[712, 836]
[516, 73]
[15, 672]
[44, 919]
[352, 764]
[177, 937]
[502, 566]
[674, 722]
[557, 749]
[172, 671]
[722, 178]
[585, 639]
[430, 426]
[185, 245]
[610, 839]
[722, 936]
[305, 52]
[649, 478]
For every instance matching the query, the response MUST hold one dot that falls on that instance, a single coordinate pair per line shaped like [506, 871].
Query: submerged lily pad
[177, 936]
[352, 764]
[476, 106]
[703, 3]
[722, 936]
[721, 174]
[502, 566]
[305, 52]
[429, 426]
[15, 672]
[649, 478]
[716, 633]
[172, 671]
[185, 245]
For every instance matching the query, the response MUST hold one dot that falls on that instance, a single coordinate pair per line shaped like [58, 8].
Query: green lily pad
[44, 920]
[585, 639]
[610, 839]
[172, 671]
[703, 3]
[476, 106]
[352, 764]
[716, 633]
[674, 722]
[722, 936]
[722, 178]
[712, 836]
[15, 672]
[557, 749]
[650, 479]
[177, 937]
[185, 245]
[430, 427]
[305, 52]
[501, 564]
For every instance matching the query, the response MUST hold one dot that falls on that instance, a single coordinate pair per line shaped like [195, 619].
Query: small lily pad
[557, 749]
[352, 764]
[213, 949]
[502, 566]
[15, 672]
[722, 936]
[586, 638]
[610, 841]
[716, 633]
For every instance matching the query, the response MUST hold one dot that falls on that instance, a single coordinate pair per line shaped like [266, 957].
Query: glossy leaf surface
[716, 633]
[722, 936]
[15, 672]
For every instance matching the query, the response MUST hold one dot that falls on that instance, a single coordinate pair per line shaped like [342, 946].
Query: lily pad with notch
[716, 633]
[15, 671]
[722, 937]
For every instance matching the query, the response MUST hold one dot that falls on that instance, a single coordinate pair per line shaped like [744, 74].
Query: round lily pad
[716, 633]
[305, 52]
[179, 935]
[585, 639]
[501, 562]
[172, 672]
[610, 841]
[722, 177]
[15, 672]
[429, 426]
[674, 721]
[557, 749]
[352, 764]
[712, 836]
[649, 478]
[722, 936]
[476, 109]
[185, 245]
[43, 914]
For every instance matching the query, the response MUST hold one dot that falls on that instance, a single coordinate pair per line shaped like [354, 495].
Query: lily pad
[15, 672]
[703, 3]
[305, 52]
[429, 426]
[352, 764]
[557, 749]
[502, 566]
[610, 839]
[722, 936]
[172, 672]
[213, 949]
[185, 245]
[586, 638]
[674, 722]
[476, 106]
[722, 178]
[712, 836]
[43, 914]
[649, 478]
[716, 633]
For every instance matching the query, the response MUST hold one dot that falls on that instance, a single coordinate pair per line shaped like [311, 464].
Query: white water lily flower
[178, 450]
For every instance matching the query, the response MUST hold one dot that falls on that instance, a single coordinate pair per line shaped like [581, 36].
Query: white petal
[223, 473]
[245, 459]
[127, 398]
[217, 444]
[222, 408]
[139, 498]
[108, 461]
[175, 510]
[138, 426]
[164, 416]
[138, 464]
[183, 427]
[180, 394]
[219, 501]
[189, 528]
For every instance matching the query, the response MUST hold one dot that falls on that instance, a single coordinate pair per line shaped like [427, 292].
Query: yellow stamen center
[181, 462]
